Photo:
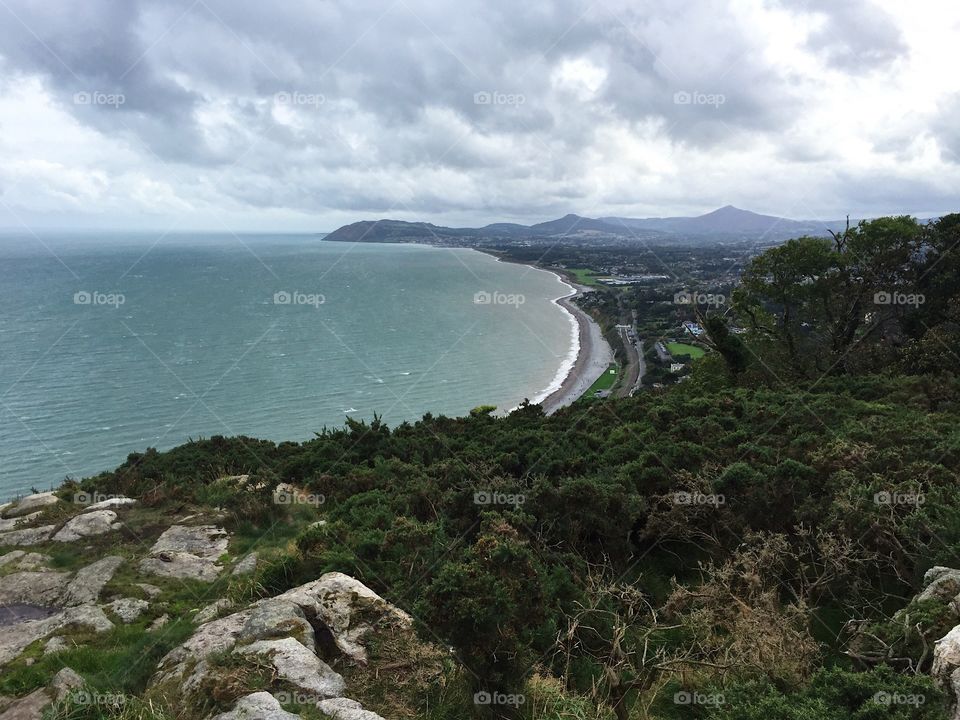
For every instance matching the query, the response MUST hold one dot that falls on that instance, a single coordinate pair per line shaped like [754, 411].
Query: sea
[111, 343]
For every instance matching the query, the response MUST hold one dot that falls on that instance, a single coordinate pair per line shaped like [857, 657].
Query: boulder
[31, 707]
[128, 609]
[15, 638]
[184, 551]
[212, 610]
[55, 644]
[946, 667]
[246, 565]
[940, 583]
[257, 706]
[86, 585]
[88, 524]
[151, 591]
[31, 504]
[22, 560]
[27, 536]
[159, 622]
[348, 609]
[117, 502]
[297, 665]
[35, 588]
[342, 708]
[11, 523]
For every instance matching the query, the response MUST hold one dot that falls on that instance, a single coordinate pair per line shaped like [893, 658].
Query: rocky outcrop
[346, 709]
[15, 638]
[27, 536]
[87, 524]
[246, 565]
[185, 551]
[297, 633]
[257, 706]
[946, 667]
[31, 707]
[30, 504]
[86, 585]
[116, 502]
[127, 609]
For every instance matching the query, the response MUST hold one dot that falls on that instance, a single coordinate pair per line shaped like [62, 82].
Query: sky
[234, 115]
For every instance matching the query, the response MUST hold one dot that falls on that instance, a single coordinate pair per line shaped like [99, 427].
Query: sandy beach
[592, 361]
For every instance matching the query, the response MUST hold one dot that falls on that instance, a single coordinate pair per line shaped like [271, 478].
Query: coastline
[590, 354]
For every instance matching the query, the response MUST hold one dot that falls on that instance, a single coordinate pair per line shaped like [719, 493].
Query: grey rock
[159, 622]
[184, 551]
[216, 636]
[11, 523]
[25, 560]
[55, 644]
[12, 556]
[65, 682]
[946, 668]
[117, 502]
[27, 536]
[15, 638]
[212, 610]
[298, 666]
[128, 609]
[342, 708]
[348, 608]
[30, 707]
[257, 706]
[246, 565]
[35, 588]
[31, 504]
[151, 591]
[89, 581]
[274, 618]
[87, 524]
[940, 583]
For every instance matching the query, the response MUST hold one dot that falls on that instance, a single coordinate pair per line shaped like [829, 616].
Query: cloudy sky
[305, 115]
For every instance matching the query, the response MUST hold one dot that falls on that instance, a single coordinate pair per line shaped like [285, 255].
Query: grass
[584, 276]
[605, 381]
[683, 349]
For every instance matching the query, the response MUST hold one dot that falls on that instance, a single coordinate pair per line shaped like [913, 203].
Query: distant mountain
[726, 221]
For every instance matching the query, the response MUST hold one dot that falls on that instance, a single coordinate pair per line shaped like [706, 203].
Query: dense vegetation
[719, 549]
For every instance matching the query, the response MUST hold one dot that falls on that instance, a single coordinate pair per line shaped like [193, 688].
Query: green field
[605, 381]
[683, 349]
[583, 276]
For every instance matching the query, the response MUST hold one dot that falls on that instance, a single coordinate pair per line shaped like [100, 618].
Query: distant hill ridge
[727, 220]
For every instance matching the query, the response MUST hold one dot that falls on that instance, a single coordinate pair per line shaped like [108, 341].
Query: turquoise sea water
[114, 343]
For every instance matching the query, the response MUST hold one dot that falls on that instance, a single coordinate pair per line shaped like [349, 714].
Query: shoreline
[590, 354]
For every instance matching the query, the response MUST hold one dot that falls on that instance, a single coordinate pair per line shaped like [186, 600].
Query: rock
[35, 588]
[117, 502]
[187, 552]
[65, 682]
[258, 706]
[15, 638]
[297, 665]
[151, 591]
[159, 622]
[940, 583]
[946, 667]
[88, 524]
[32, 706]
[186, 663]
[12, 556]
[342, 708]
[27, 536]
[25, 560]
[275, 618]
[212, 610]
[55, 644]
[89, 581]
[348, 608]
[128, 609]
[10, 524]
[247, 564]
[30, 504]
